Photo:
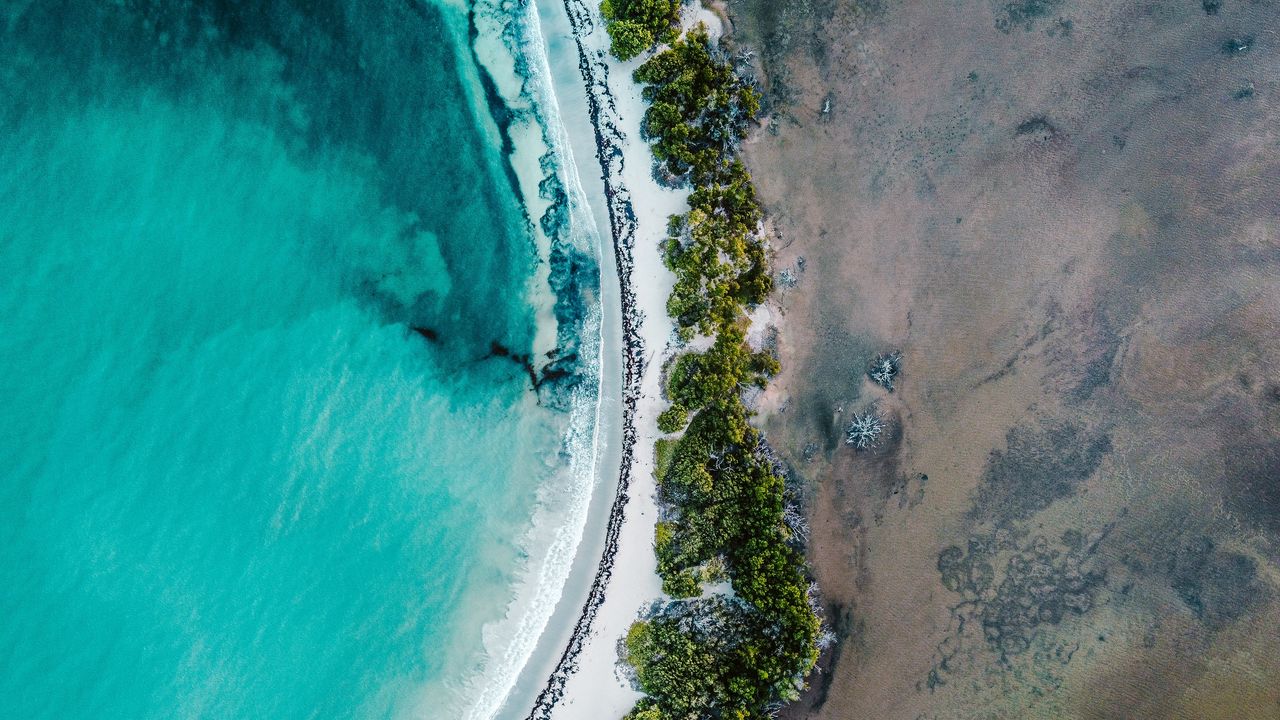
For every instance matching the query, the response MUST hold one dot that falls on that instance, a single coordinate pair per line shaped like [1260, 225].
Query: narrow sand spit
[587, 680]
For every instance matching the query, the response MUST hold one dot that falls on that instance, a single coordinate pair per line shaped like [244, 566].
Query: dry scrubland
[1066, 215]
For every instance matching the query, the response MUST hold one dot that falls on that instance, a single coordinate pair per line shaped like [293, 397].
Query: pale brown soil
[1069, 224]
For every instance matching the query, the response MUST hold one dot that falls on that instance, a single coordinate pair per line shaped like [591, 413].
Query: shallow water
[236, 482]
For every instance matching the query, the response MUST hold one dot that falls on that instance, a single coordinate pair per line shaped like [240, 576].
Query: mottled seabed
[1066, 215]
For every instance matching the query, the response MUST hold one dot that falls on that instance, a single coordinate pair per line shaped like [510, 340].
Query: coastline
[873, 502]
[586, 681]
[350, 260]
[590, 680]
[724, 501]
[573, 329]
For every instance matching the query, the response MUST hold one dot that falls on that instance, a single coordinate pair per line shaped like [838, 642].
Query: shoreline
[622, 229]
[511, 53]
[719, 271]
[588, 658]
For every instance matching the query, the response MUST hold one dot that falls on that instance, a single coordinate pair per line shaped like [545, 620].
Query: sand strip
[587, 681]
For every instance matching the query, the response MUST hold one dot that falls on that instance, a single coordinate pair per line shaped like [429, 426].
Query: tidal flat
[1064, 214]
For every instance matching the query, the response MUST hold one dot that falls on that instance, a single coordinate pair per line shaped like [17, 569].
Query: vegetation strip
[723, 655]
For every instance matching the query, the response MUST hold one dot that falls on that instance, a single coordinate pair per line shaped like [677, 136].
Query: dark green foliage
[666, 656]
[686, 650]
[673, 419]
[663, 451]
[637, 25]
[710, 657]
[644, 711]
[728, 503]
[716, 376]
[682, 584]
[718, 258]
[713, 658]
[699, 111]
[628, 39]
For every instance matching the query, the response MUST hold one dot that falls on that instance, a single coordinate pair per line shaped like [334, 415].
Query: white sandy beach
[596, 687]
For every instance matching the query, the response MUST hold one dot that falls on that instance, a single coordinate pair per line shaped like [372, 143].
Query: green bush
[698, 108]
[730, 506]
[683, 584]
[710, 658]
[664, 450]
[673, 419]
[698, 111]
[648, 712]
[628, 39]
[637, 25]
[716, 377]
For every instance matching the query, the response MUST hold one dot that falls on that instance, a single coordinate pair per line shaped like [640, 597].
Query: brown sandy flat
[1066, 216]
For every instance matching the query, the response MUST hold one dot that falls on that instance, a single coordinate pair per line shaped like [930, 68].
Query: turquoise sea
[279, 279]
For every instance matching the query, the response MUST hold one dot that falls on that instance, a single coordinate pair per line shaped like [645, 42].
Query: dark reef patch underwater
[257, 255]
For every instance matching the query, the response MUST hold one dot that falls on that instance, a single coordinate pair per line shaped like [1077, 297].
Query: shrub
[673, 419]
[699, 109]
[716, 376]
[628, 39]
[663, 451]
[884, 370]
[698, 112]
[637, 25]
[681, 585]
[647, 712]
[865, 430]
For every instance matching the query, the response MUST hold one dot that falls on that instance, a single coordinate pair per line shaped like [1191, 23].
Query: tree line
[719, 656]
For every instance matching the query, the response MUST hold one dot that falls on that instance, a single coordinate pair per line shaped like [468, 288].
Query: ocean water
[276, 276]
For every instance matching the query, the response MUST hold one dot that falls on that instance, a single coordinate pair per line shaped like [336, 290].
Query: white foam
[556, 532]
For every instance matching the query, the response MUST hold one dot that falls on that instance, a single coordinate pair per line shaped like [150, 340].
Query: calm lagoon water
[234, 481]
